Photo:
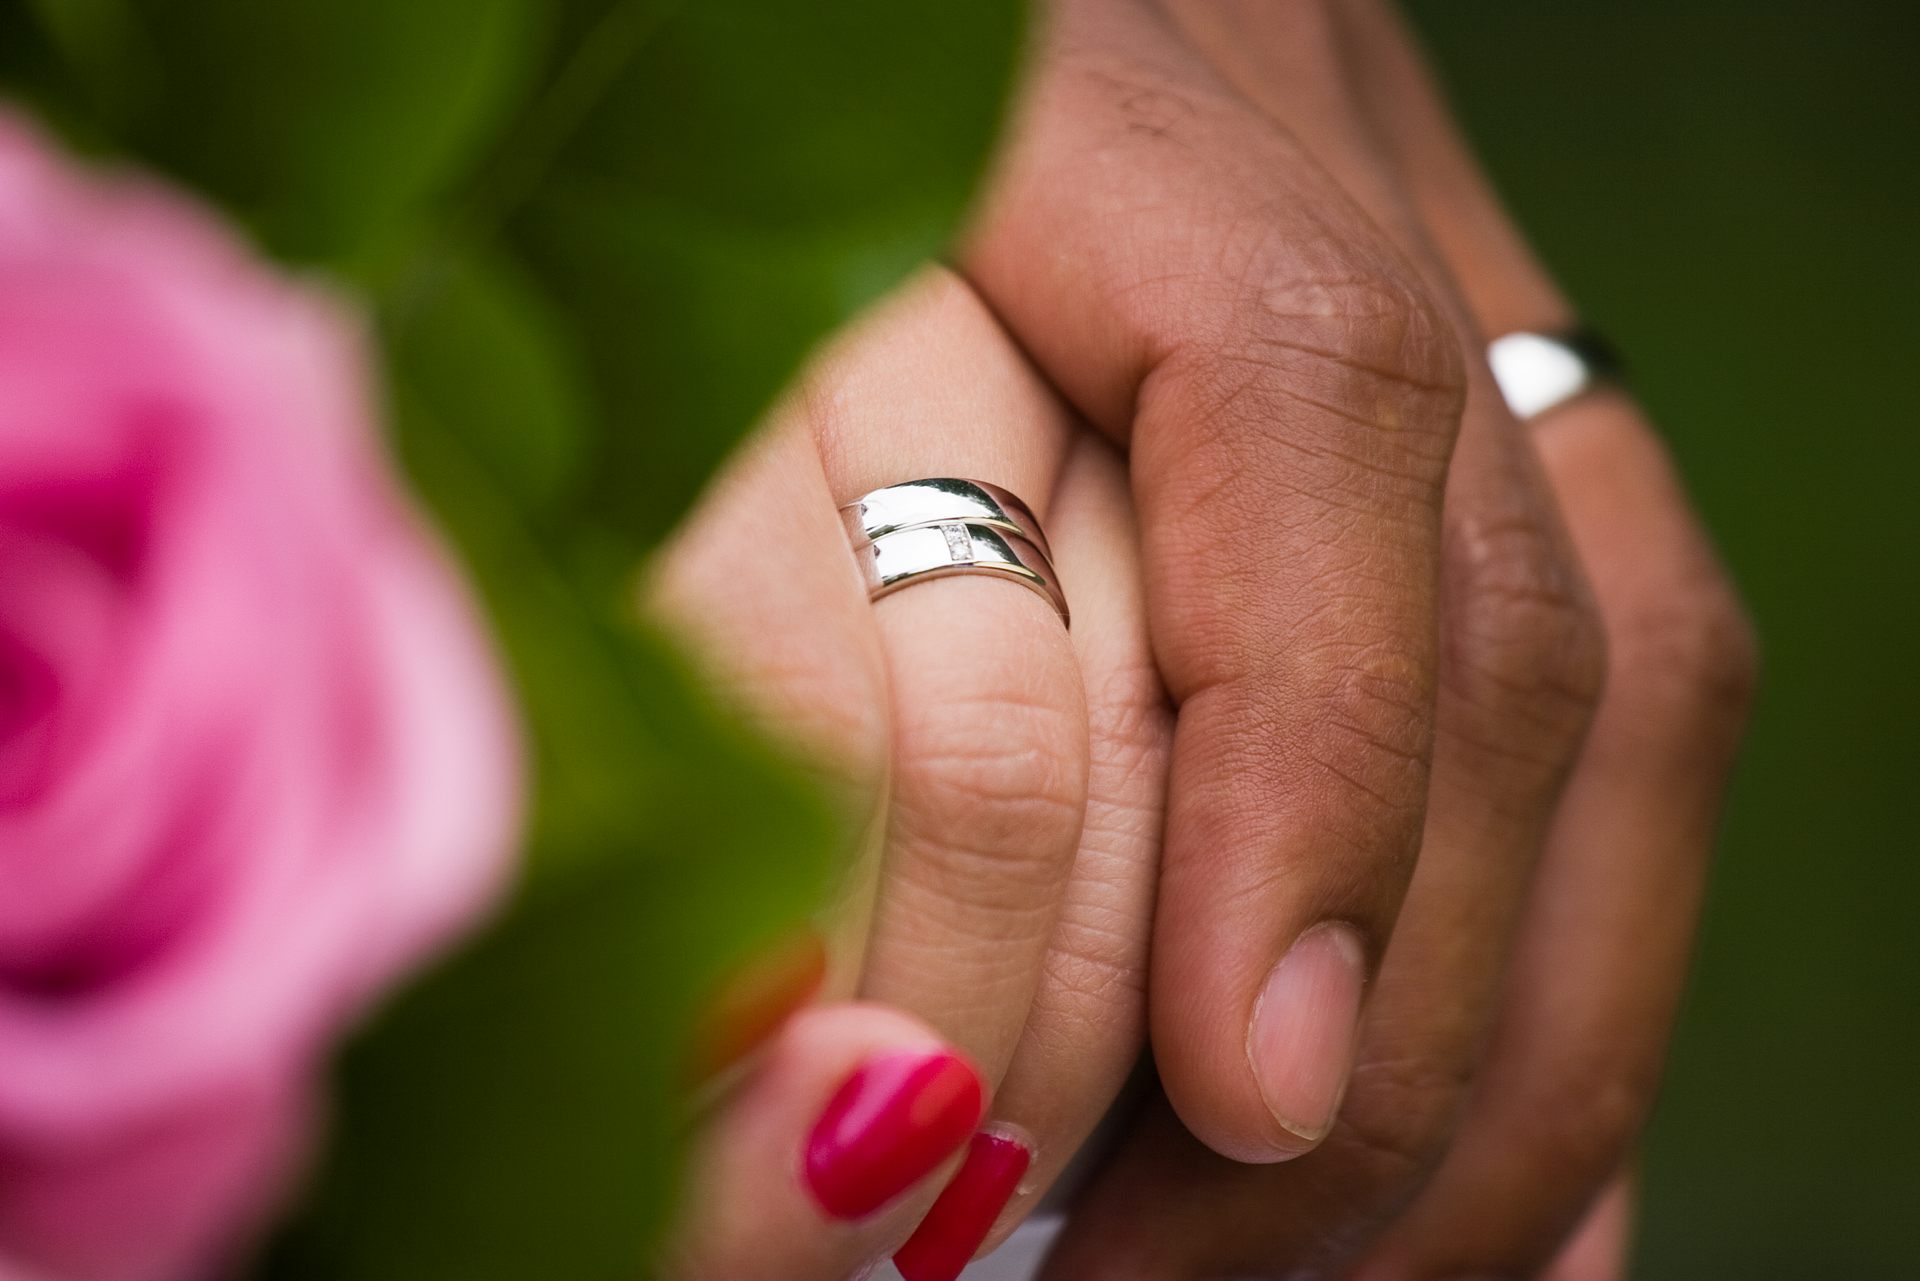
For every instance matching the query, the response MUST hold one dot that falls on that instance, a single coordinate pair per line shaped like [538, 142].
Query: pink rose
[255, 755]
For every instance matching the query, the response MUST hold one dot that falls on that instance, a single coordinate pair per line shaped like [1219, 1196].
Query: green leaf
[321, 123]
[478, 342]
[710, 187]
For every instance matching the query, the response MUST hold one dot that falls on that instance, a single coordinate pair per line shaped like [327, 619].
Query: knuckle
[1344, 366]
[993, 783]
[1688, 652]
[1270, 271]
[1525, 645]
[1364, 312]
[1585, 1124]
[1372, 739]
[1295, 438]
[1096, 981]
[1380, 701]
[1401, 1117]
[1351, 727]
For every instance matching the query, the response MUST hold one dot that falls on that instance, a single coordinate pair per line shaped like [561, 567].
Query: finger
[1289, 396]
[989, 722]
[1577, 1054]
[1598, 974]
[1600, 1246]
[1522, 664]
[828, 1152]
[1520, 672]
[1086, 1026]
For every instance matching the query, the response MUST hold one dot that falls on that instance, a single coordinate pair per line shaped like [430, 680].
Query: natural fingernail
[889, 1126]
[959, 1221]
[1302, 1039]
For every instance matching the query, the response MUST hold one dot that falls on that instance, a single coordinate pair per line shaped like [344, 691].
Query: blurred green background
[1732, 191]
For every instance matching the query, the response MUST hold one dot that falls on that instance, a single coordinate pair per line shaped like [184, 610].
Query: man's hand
[1244, 240]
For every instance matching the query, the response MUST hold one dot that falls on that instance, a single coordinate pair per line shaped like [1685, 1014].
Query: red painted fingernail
[896, 1118]
[959, 1221]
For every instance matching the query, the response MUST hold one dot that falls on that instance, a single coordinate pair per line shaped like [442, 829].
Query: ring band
[935, 528]
[909, 556]
[1538, 373]
[937, 500]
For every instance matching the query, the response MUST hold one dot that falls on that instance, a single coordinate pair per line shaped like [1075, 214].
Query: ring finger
[1087, 1023]
[988, 771]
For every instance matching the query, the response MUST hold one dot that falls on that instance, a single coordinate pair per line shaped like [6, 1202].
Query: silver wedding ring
[1538, 373]
[928, 502]
[942, 526]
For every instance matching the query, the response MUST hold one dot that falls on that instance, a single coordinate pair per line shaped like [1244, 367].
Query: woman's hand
[1016, 774]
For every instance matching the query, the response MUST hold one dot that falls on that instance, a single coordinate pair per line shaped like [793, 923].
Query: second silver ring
[908, 556]
[941, 498]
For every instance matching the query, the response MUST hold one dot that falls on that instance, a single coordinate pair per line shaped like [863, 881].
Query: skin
[1350, 644]
[1016, 773]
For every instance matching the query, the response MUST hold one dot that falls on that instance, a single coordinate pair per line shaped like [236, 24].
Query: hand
[1015, 769]
[1246, 238]
[1258, 268]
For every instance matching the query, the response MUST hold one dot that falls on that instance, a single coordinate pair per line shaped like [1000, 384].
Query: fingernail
[889, 1126]
[1301, 1041]
[959, 1221]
